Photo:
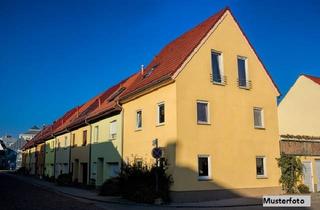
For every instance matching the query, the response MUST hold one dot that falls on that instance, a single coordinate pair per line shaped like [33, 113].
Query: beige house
[299, 126]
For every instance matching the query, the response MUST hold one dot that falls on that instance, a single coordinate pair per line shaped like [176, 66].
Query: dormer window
[150, 71]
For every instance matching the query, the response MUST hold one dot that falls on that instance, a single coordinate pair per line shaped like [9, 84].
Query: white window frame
[247, 71]
[96, 134]
[261, 116]
[158, 113]
[204, 178]
[138, 128]
[264, 167]
[208, 112]
[110, 129]
[221, 67]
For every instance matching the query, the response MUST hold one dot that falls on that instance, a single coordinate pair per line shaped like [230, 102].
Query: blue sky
[57, 54]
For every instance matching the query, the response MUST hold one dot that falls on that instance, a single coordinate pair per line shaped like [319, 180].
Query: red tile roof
[109, 98]
[313, 78]
[173, 55]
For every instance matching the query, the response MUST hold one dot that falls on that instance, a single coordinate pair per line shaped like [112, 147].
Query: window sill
[160, 124]
[204, 179]
[261, 177]
[259, 128]
[219, 83]
[112, 139]
[244, 87]
[138, 129]
[203, 123]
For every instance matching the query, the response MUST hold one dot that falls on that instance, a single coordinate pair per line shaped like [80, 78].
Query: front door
[100, 171]
[307, 175]
[318, 174]
[84, 173]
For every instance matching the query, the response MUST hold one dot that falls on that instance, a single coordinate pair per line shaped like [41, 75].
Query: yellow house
[106, 137]
[49, 158]
[62, 154]
[80, 141]
[299, 126]
[32, 164]
[80, 153]
[212, 105]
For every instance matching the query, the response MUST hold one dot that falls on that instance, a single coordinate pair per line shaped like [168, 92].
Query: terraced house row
[206, 97]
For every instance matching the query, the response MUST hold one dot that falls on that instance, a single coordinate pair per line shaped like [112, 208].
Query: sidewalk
[93, 196]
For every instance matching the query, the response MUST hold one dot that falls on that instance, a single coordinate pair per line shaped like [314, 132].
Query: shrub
[291, 172]
[138, 184]
[111, 187]
[64, 180]
[303, 188]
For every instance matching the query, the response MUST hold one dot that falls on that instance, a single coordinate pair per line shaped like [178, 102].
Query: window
[114, 169]
[113, 129]
[202, 112]
[204, 165]
[258, 117]
[161, 113]
[73, 139]
[216, 64]
[139, 119]
[94, 168]
[243, 72]
[84, 138]
[52, 145]
[66, 168]
[150, 71]
[261, 166]
[96, 134]
[65, 141]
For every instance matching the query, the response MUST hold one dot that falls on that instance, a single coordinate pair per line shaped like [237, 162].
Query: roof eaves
[313, 78]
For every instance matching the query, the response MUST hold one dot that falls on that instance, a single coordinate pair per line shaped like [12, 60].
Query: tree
[291, 172]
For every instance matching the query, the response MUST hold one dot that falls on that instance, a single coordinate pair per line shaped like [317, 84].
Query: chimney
[142, 69]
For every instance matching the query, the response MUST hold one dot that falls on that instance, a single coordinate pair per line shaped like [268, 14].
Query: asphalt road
[16, 194]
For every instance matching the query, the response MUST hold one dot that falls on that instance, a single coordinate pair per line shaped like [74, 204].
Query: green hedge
[139, 184]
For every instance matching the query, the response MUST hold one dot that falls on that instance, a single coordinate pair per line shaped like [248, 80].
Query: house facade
[62, 154]
[212, 105]
[106, 122]
[106, 148]
[49, 157]
[299, 126]
[40, 158]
